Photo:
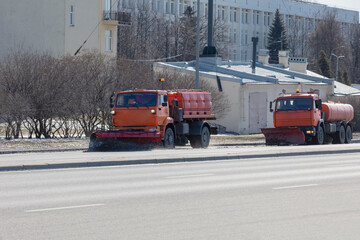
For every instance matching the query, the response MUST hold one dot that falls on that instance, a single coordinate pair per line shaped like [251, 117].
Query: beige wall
[32, 25]
[87, 16]
[44, 26]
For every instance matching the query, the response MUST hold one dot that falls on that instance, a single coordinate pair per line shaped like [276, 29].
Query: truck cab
[297, 110]
[141, 110]
[301, 118]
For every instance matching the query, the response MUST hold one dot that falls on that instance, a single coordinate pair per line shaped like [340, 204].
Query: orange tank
[336, 112]
[194, 104]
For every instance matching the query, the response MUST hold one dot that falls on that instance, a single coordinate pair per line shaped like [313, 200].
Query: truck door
[162, 109]
[258, 113]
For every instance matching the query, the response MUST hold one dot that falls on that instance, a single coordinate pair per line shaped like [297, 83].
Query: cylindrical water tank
[336, 112]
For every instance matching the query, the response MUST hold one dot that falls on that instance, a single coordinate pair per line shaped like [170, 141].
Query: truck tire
[169, 138]
[340, 135]
[348, 134]
[320, 136]
[201, 141]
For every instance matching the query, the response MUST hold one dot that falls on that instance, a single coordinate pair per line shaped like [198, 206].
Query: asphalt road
[298, 197]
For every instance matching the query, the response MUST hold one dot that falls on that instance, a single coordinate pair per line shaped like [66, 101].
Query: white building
[249, 94]
[252, 18]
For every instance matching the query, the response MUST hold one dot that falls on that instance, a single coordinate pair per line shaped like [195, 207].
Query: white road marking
[64, 208]
[296, 186]
[191, 176]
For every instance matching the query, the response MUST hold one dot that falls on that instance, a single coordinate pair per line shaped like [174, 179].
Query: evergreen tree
[187, 35]
[324, 64]
[340, 77]
[277, 38]
[346, 78]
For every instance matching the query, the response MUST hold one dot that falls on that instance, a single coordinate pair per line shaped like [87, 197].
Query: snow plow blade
[283, 136]
[123, 140]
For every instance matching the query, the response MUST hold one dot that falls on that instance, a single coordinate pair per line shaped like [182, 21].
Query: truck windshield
[136, 100]
[294, 104]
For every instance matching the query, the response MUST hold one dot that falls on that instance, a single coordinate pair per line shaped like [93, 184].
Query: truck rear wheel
[340, 135]
[201, 141]
[169, 138]
[320, 137]
[348, 134]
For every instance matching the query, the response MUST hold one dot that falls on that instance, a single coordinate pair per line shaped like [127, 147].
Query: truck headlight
[152, 130]
[153, 111]
[112, 112]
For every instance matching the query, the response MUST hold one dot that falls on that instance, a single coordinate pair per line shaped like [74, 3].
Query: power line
[153, 60]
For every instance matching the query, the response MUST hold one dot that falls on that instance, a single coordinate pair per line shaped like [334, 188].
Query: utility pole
[255, 41]
[337, 65]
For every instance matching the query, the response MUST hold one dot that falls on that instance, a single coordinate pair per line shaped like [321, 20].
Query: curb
[166, 160]
[44, 150]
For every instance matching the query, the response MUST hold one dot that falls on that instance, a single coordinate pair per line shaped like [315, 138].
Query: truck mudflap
[283, 136]
[123, 140]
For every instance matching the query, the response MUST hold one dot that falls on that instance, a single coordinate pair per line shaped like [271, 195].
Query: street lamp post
[337, 64]
[197, 45]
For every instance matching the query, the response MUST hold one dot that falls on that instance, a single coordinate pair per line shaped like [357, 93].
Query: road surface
[297, 197]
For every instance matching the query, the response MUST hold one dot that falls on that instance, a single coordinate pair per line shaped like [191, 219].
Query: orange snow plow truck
[153, 117]
[302, 118]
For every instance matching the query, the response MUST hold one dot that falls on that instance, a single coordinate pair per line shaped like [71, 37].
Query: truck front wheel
[169, 138]
[320, 137]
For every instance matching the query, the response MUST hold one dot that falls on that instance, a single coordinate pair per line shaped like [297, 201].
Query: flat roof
[241, 72]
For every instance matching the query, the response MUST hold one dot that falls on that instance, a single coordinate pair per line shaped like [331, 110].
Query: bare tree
[328, 37]
[31, 83]
[354, 70]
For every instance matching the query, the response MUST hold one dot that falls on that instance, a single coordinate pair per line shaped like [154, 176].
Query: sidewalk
[77, 159]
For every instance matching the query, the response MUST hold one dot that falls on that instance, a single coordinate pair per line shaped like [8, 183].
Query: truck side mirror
[111, 100]
[320, 104]
[271, 110]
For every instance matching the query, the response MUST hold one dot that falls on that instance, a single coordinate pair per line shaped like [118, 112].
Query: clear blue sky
[347, 4]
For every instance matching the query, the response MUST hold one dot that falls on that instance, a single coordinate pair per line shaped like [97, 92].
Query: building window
[235, 20]
[246, 38]
[172, 7]
[108, 35]
[108, 5]
[158, 5]
[234, 35]
[72, 23]
[167, 8]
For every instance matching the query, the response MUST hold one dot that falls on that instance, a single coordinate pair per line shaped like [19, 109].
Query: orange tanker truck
[302, 118]
[170, 117]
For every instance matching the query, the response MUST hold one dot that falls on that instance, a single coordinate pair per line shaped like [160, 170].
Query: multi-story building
[252, 18]
[59, 27]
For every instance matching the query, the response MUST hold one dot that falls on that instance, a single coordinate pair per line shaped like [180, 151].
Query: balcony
[117, 18]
